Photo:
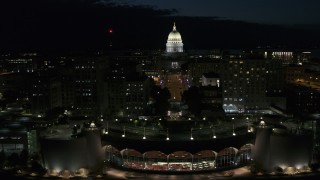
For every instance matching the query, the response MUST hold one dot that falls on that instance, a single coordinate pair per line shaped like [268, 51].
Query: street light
[124, 132]
[214, 134]
[191, 137]
[233, 133]
[144, 133]
[167, 135]
[249, 130]
[107, 132]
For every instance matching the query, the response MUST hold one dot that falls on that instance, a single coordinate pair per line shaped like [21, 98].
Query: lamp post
[107, 131]
[144, 133]
[167, 135]
[191, 137]
[233, 133]
[214, 134]
[249, 130]
[124, 132]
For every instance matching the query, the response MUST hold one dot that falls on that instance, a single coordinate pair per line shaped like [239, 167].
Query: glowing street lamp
[107, 131]
[249, 130]
[124, 132]
[233, 133]
[144, 133]
[191, 137]
[214, 134]
[167, 135]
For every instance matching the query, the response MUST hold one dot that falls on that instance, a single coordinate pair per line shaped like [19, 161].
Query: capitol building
[174, 42]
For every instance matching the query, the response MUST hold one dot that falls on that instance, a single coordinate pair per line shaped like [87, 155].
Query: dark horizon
[77, 26]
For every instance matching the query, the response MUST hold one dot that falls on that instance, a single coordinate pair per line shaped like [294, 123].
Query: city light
[107, 130]
[124, 132]
[144, 133]
[249, 129]
[233, 133]
[214, 134]
[191, 137]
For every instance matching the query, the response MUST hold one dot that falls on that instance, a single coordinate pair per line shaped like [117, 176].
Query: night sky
[261, 11]
[64, 25]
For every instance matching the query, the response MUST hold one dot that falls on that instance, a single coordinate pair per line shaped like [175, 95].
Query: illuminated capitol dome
[174, 42]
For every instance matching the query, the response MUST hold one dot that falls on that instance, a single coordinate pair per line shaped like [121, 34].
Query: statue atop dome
[174, 42]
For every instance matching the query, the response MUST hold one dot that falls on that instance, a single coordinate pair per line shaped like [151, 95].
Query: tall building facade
[127, 86]
[88, 74]
[244, 84]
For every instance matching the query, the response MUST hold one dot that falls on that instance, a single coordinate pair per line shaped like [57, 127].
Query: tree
[35, 157]
[35, 163]
[256, 167]
[37, 167]
[2, 158]
[161, 97]
[54, 113]
[278, 170]
[23, 159]
[13, 159]
[192, 98]
[10, 95]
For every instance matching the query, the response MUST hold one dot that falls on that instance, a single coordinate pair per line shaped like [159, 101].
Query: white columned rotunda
[174, 42]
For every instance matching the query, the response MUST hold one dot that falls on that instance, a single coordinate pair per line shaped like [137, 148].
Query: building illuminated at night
[278, 147]
[244, 84]
[174, 42]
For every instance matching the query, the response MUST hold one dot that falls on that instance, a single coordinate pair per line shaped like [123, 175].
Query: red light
[110, 31]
